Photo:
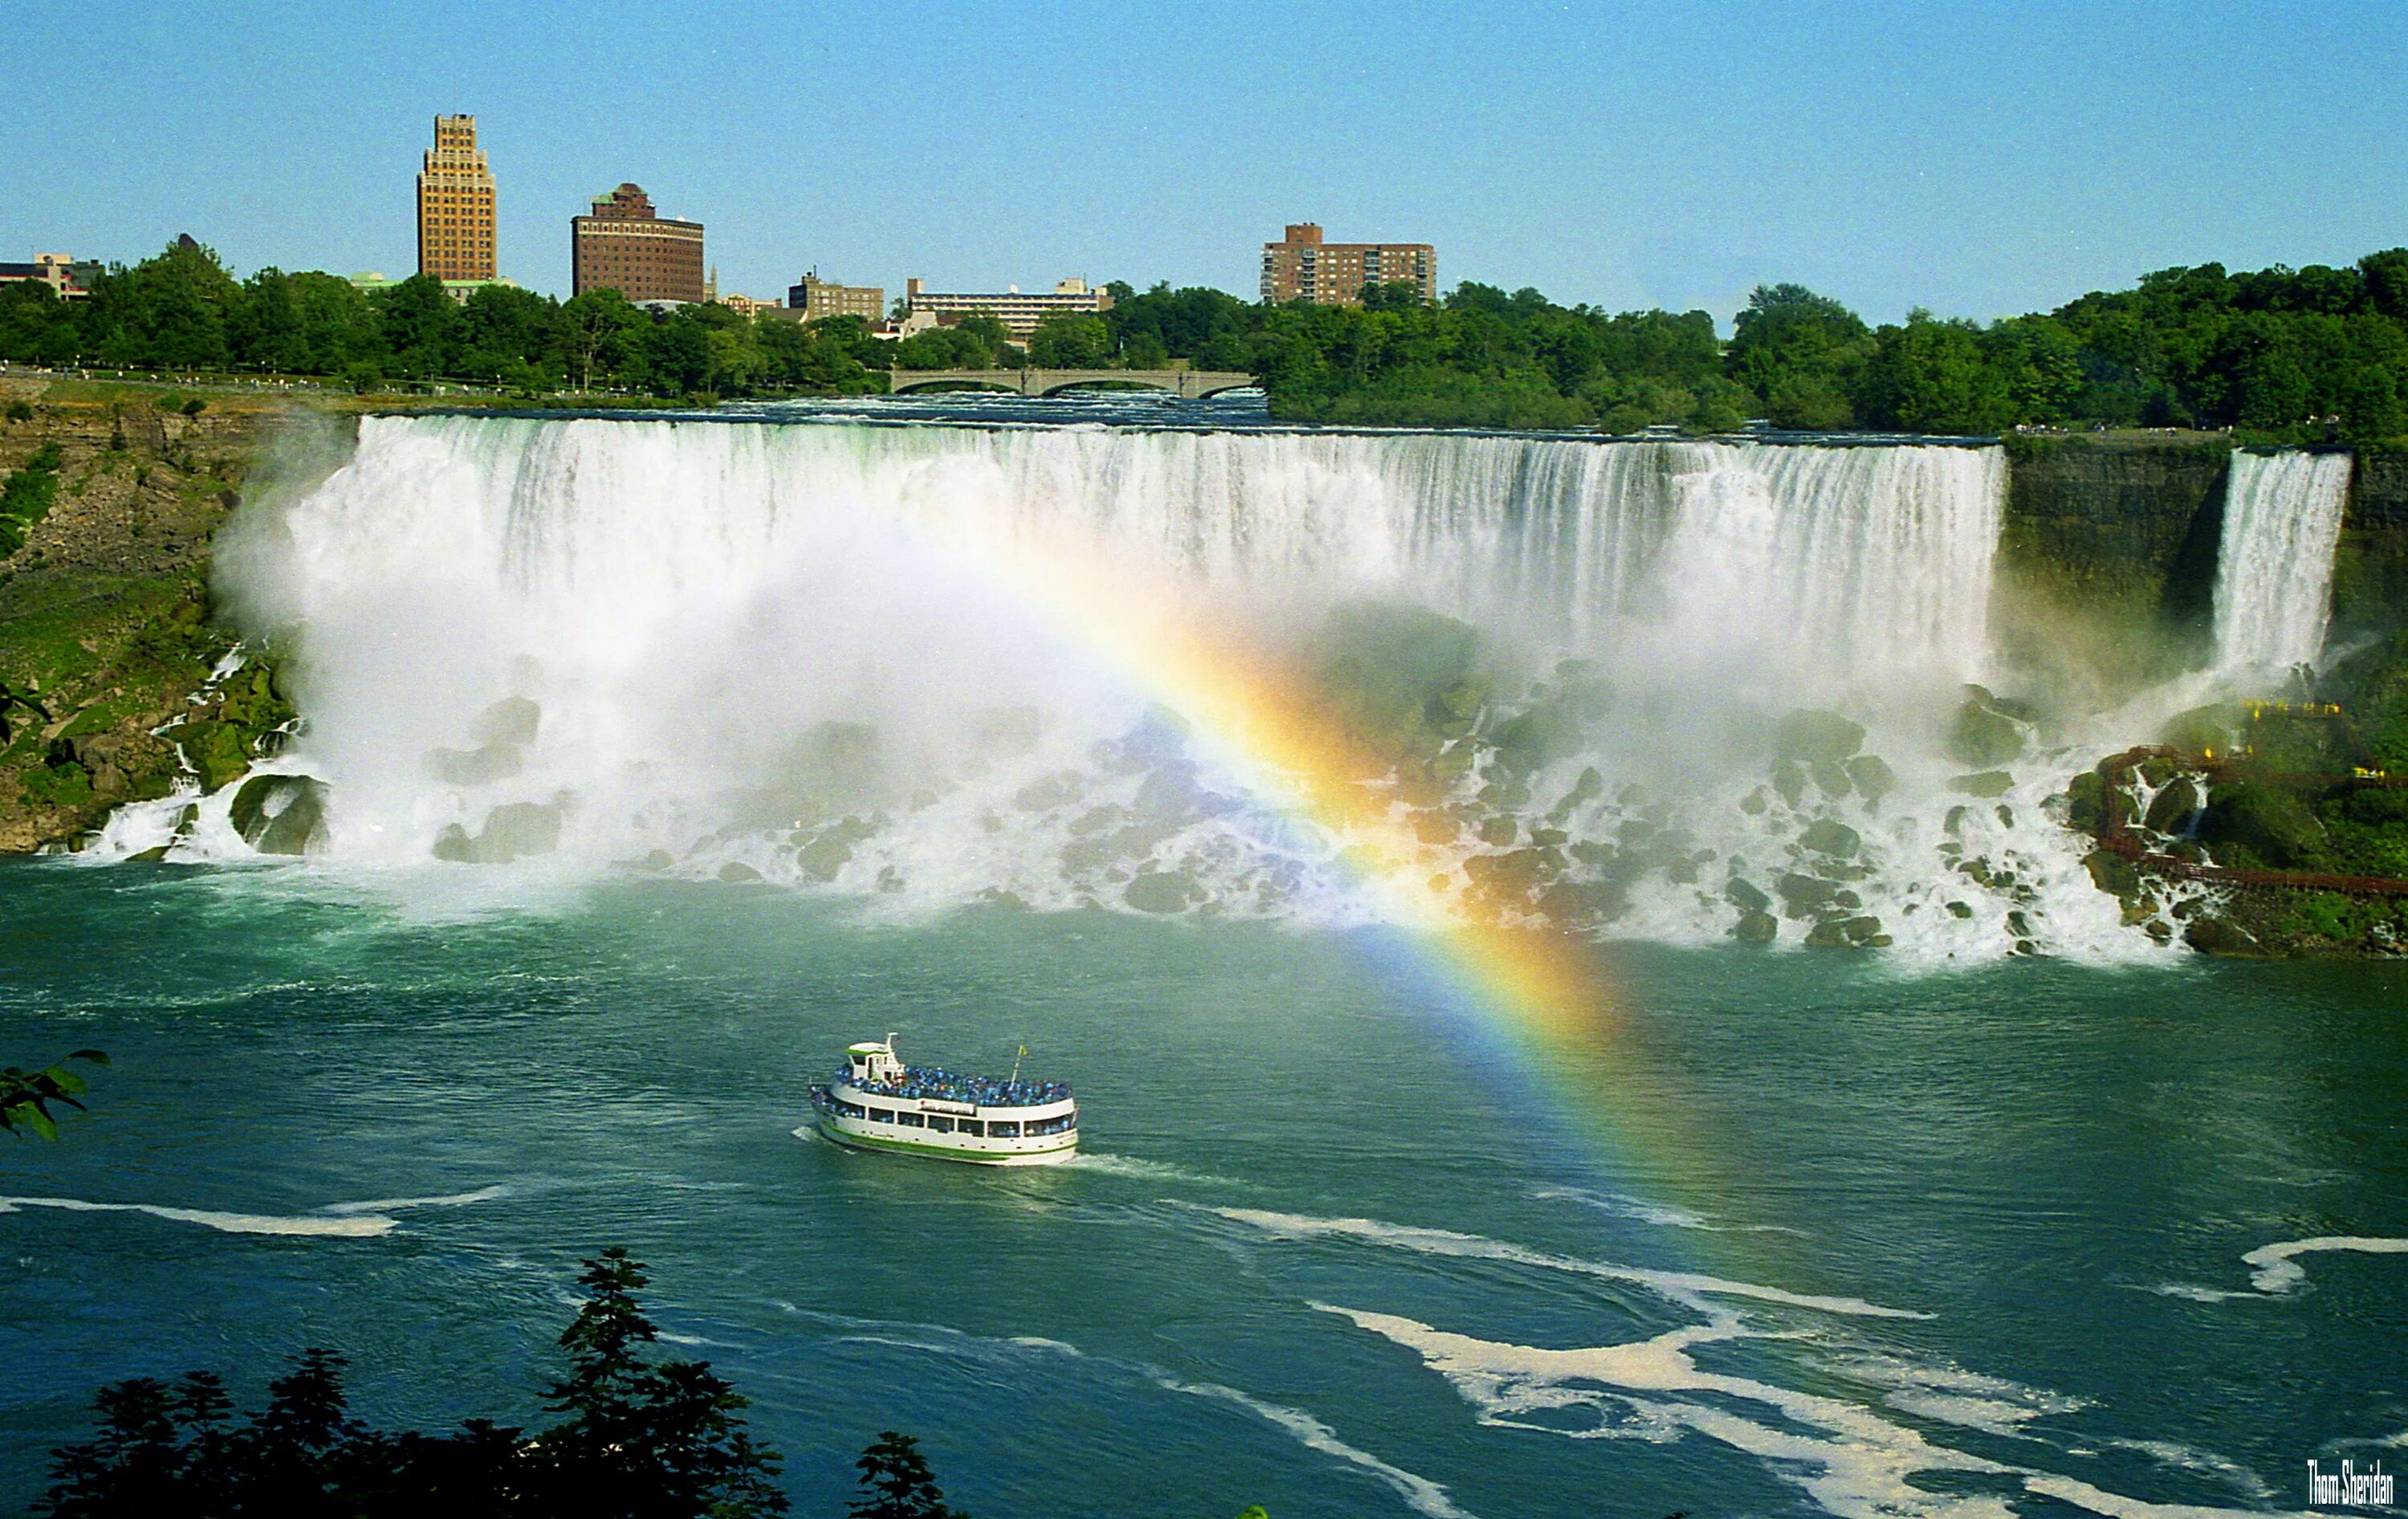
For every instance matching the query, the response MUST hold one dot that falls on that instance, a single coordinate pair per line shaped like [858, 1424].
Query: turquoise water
[1325, 1237]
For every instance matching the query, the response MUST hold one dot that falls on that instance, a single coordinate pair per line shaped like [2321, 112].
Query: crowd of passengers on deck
[999, 1129]
[944, 1086]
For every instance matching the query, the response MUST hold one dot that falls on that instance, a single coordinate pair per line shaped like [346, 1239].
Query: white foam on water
[449, 1200]
[2191, 1458]
[1422, 1495]
[1623, 1205]
[1688, 1287]
[1950, 1394]
[352, 1226]
[2275, 1268]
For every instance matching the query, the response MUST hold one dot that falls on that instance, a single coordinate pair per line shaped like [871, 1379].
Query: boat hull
[829, 1130]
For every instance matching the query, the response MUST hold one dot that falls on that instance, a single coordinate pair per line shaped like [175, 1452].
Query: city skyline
[1607, 155]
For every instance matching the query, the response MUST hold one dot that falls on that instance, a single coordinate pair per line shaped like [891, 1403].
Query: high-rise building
[455, 205]
[816, 298]
[1302, 267]
[1019, 314]
[627, 246]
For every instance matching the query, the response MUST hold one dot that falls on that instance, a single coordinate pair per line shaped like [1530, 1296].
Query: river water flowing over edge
[802, 734]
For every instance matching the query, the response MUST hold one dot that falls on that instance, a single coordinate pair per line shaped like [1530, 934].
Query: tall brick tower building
[455, 205]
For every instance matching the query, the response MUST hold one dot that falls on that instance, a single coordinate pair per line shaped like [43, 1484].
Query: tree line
[2285, 354]
[636, 1438]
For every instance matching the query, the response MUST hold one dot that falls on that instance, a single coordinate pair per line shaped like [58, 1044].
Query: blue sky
[1976, 159]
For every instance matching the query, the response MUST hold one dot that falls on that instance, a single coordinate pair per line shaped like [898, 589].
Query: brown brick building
[455, 205]
[626, 246]
[1302, 267]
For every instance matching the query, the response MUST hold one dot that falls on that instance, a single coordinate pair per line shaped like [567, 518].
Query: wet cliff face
[2107, 557]
[2370, 570]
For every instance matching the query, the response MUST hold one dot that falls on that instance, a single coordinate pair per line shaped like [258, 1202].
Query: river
[1943, 1230]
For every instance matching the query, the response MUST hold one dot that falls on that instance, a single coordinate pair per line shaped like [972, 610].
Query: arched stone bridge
[1187, 384]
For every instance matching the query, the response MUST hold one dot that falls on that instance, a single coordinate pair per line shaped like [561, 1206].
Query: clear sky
[1976, 159]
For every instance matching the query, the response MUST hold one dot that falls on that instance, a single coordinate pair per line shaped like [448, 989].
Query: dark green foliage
[26, 499]
[896, 1484]
[642, 1440]
[26, 1096]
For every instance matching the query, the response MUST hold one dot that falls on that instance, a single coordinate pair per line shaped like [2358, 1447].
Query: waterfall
[2273, 576]
[806, 653]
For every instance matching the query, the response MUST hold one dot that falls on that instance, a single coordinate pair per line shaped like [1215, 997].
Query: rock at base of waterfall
[512, 831]
[513, 720]
[281, 814]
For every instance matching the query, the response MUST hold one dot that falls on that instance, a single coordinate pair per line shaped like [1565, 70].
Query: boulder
[1983, 736]
[281, 814]
[1755, 927]
[1581, 904]
[1745, 896]
[512, 720]
[1858, 933]
[2086, 801]
[2172, 810]
[736, 873]
[1824, 835]
[1984, 784]
[512, 831]
[1873, 776]
[1814, 736]
[2217, 936]
[475, 767]
[1801, 894]
[2112, 873]
[2272, 827]
[1161, 891]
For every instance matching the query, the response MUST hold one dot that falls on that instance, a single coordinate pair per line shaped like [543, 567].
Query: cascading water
[2274, 580]
[807, 653]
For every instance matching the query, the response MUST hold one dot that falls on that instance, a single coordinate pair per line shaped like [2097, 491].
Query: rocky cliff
[108, 639]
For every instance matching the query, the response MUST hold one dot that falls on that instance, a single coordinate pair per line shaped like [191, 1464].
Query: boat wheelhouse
[877, 1102]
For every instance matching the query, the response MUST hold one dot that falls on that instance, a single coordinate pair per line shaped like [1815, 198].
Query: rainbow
[1534, 997]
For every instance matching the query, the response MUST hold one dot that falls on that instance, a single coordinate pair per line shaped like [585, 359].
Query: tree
[26, 1096]
[641, 1441]
[1070, 340]
[897, 1482]
[1798, 352]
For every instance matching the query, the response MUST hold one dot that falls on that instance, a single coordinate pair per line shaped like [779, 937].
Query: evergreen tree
[897, 1483]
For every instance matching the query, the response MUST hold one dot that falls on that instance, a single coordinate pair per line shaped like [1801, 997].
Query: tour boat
[877, 1102]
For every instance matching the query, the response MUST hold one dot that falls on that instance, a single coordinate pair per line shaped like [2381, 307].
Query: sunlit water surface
[1939, 1244]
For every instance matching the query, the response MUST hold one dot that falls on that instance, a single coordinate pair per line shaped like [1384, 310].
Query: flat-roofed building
[816, 298]
[69, 280]
[455, 205]
[627, 246]
[1019, 312]
[750, 306]
[1302, 267]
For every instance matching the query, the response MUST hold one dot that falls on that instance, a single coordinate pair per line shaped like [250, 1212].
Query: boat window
[848, 1109]
[941, 1124]
[911, 1120]
[1003, 1130]
[971, 1125]
[881, 1115]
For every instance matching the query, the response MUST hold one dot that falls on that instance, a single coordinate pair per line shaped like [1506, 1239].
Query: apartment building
[1019, 312]
[816, 298]
[625, 245]
[1303, 268]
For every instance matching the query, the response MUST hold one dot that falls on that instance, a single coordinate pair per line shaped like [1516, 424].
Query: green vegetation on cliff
[107, 639]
